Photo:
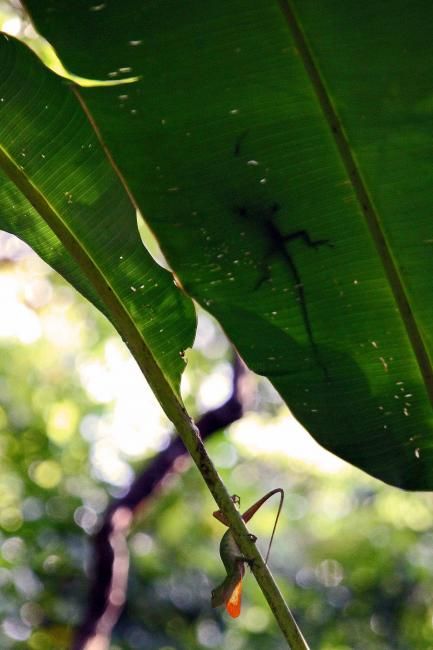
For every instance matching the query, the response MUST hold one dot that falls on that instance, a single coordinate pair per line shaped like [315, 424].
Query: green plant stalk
[269, 588]
[163, 391]
[282, 614]
[189, 433]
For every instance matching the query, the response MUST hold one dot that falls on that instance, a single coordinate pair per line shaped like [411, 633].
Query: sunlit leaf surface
[254, 121]
[60, 194]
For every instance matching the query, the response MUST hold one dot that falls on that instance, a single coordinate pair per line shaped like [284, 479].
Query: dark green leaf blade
[225, 138]
[59, 193]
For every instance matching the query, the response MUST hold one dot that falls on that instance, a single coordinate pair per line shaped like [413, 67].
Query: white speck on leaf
[384, 364]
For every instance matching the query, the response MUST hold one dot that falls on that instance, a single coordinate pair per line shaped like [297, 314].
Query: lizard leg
[304, 235]
[265, 275]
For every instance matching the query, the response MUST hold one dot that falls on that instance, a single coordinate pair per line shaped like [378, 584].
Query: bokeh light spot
[47, 474]
[62, 422]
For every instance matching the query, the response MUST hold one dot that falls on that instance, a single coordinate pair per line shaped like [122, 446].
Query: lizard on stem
[229, 592]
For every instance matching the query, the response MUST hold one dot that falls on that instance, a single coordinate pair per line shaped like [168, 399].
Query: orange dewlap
[233, 605]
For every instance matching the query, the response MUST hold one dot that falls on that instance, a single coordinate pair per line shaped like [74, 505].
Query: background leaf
[60, 194]
[315, 120]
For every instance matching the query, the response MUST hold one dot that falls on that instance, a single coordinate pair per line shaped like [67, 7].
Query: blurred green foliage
[353, 557]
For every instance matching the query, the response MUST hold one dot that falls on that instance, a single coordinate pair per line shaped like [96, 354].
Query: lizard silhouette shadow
[278, 246]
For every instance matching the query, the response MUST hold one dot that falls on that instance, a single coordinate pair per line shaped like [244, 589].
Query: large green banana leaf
[59, 193]
[281, 153]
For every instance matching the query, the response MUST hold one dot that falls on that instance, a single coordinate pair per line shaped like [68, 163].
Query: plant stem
[260, 570]
[192, 441]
